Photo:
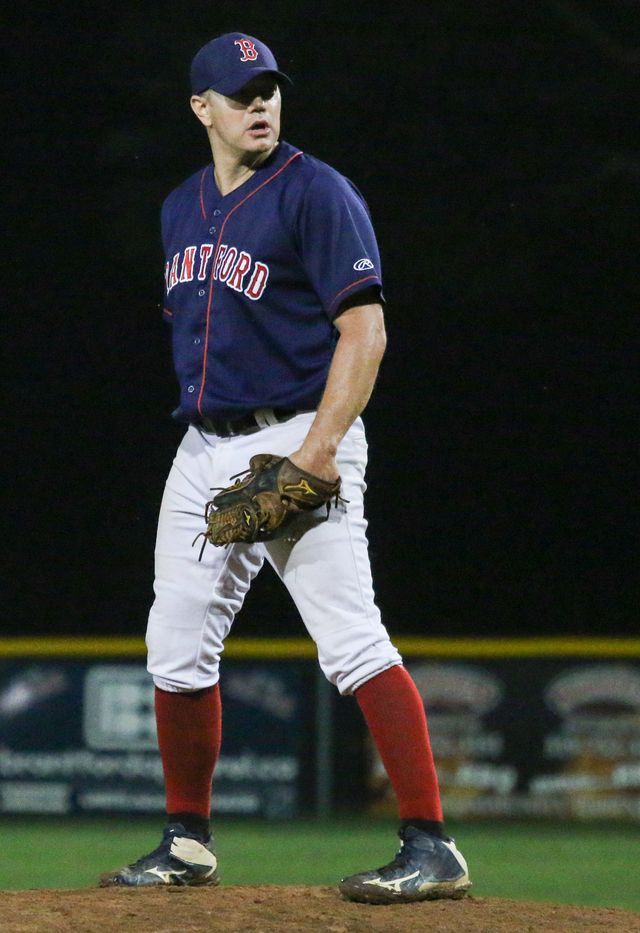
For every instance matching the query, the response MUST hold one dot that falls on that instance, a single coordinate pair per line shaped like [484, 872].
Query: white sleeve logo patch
[363, 264]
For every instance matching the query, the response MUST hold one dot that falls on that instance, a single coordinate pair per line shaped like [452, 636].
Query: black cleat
[181, 859]
[425, 868]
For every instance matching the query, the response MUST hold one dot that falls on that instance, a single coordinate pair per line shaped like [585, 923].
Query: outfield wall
[539, 727]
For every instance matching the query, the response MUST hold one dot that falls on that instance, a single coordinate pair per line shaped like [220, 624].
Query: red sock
[395, 715]
[189, 732]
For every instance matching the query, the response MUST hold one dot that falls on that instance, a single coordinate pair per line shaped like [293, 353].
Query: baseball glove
[260, 504]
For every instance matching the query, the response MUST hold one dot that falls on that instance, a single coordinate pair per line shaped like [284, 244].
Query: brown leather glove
[261, 503]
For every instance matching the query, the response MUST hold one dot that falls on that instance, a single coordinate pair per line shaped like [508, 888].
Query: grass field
[588, 865]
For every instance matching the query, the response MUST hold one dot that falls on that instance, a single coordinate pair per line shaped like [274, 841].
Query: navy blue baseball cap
[226, 64]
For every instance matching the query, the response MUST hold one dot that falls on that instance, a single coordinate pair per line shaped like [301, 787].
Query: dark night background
[497, 146]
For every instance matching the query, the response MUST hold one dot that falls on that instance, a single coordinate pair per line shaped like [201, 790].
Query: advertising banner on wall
[530, 737]
[81, 737]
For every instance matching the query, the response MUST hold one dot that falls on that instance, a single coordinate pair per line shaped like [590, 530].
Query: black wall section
[497, 145]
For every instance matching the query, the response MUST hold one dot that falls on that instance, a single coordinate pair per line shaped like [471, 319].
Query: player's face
[248, 122]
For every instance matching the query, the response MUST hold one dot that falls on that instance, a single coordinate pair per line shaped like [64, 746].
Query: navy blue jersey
[255, 279]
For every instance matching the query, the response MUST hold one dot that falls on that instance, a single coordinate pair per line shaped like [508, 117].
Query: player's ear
[200, 106]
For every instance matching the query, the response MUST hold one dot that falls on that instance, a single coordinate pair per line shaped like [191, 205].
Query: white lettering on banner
[240, 802]
[486, 744]
[82, 763]
[257, 767]
[35, 797]
[626, 775]
[501, 778]
[120, 800]
[236, 803]
[232, 267]
[561, 746]
[508, 805]
[118, 709]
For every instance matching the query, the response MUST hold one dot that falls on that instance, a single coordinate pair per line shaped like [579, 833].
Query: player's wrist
[323, 438]
[320, 448]
[321, 456]
[319, 462]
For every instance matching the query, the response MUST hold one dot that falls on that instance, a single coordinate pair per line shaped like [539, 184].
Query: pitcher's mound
[274, 907]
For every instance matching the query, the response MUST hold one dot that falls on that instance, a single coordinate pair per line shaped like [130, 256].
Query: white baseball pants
[324, 565]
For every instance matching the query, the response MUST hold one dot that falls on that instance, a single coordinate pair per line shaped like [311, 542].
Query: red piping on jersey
[213, 266]
[367, 278]
[202, 174]
[166, 311]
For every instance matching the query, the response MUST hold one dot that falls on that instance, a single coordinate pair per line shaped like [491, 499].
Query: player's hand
[321, 463]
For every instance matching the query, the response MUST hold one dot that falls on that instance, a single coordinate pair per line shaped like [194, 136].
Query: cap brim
[231, 87]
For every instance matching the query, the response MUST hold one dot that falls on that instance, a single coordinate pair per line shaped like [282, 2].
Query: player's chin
[259, 142]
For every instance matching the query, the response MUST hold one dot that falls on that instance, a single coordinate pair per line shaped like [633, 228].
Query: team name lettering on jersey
[236, 268]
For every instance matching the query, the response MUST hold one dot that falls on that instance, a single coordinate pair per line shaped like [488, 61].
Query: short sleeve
[336, 240]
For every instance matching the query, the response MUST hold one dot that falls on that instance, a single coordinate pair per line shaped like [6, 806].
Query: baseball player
[273, 291]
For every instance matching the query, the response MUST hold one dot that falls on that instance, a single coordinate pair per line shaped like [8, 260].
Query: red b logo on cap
[249, 51]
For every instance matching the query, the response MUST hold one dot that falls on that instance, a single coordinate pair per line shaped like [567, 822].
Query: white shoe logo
[166, 876]
[191, 852]
[363, 264]
[396, 885]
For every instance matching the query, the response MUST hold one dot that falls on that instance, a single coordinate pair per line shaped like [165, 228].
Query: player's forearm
[351, 379]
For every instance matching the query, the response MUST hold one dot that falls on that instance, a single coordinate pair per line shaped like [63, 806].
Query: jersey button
[216, 213]
[212, 229]
[201, 292]
[196, 340]
[191, 388]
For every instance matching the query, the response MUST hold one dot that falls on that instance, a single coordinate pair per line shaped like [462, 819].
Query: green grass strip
[583, 864]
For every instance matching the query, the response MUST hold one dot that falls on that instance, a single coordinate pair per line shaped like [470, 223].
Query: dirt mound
[271, 907]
